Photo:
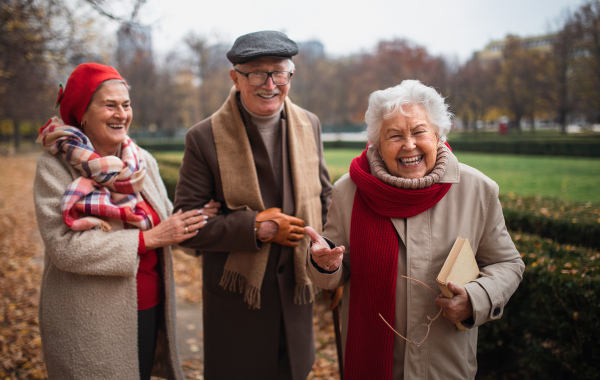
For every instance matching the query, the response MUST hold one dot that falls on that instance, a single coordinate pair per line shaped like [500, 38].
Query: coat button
[280, 269]
[497, 311]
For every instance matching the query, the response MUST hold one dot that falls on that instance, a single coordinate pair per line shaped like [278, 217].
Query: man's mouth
[267, 94]
[411, 161]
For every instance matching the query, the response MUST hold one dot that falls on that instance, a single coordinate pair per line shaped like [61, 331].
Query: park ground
[21, 265]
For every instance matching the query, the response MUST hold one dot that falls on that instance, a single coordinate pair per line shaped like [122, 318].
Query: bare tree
[211, 69]
[522, 80]
[587, 63]
[563, 52]
[39, 39]
[474, 90]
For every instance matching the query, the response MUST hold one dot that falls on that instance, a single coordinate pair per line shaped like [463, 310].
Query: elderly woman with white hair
[392, 222]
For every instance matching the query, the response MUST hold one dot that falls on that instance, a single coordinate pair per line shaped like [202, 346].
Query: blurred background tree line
[551, 79]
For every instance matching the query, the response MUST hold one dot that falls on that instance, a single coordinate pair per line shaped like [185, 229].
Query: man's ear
[234, 78]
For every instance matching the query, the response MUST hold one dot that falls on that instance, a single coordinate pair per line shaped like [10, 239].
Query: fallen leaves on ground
[21, 263]
[20, 272]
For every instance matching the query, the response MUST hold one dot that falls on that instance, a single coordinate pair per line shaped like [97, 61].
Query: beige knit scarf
[244, 270]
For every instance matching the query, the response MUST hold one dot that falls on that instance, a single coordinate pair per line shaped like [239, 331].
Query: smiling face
[266, 99]
[408, 144]
[107, 118]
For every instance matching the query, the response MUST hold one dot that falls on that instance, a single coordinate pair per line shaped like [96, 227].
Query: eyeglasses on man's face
[259, 78]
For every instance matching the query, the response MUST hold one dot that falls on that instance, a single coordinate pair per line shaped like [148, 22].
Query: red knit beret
[82, 83]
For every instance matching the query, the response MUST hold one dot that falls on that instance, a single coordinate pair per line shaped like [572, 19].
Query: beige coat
[88, 302]
[470, 209]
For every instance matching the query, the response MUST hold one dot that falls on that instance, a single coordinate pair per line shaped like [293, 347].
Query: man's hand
[457, 308]
[274, 226]
[325, 257]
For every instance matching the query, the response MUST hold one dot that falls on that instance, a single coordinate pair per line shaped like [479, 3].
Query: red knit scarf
[374, 245]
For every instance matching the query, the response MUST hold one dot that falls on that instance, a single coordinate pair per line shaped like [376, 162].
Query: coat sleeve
[335, 231]
[500, 264]
[199, 182]
[324, 177]
[160, 201]
[93, 252]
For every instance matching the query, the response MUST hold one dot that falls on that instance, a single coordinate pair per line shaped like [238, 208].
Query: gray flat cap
[267, 43]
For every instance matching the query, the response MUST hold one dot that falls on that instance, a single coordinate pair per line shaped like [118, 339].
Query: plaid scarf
[109, 187]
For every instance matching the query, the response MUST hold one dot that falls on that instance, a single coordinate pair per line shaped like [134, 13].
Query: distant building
[312, 49]
[134, 44]
[218, 56]
[493, 50]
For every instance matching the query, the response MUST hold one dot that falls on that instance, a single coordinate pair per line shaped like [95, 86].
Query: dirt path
[21, 263]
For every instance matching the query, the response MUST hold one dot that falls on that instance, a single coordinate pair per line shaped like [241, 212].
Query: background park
[527, 115]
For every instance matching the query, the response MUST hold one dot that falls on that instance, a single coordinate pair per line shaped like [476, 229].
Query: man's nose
[269, 84]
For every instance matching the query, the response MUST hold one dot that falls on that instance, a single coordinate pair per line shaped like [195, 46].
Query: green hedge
[534, 148]
[578, 148]
[551, 326]
[563, 221]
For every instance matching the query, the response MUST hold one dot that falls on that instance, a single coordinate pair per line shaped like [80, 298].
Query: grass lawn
[572, 179]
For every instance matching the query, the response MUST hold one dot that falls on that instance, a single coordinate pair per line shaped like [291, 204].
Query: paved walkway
[189, 331]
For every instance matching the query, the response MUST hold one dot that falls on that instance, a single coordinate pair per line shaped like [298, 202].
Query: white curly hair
[384, 103]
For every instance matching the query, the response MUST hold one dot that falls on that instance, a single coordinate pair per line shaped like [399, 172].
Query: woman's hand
[457, 308]
[212, 208]
[175, 229]
[325, 257]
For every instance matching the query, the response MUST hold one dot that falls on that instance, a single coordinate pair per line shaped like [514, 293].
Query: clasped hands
[180, 226]
[274, 226]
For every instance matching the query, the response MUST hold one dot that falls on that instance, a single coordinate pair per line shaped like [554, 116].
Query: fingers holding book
[459, 307]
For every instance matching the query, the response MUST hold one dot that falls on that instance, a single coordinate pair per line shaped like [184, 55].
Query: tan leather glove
[290, 229]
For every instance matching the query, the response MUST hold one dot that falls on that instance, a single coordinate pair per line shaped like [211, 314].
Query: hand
[457, 308]
[325, 257]
[175, 229]
[212, 208]
[277, 227]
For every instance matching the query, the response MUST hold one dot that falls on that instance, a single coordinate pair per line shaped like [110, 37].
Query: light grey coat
[470, 209]
[88, 301]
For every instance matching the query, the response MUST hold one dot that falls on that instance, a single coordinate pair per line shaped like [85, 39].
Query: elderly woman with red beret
[393, 219]
[107, 304]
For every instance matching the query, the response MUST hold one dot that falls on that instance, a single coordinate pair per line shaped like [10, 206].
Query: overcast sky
[452, 28]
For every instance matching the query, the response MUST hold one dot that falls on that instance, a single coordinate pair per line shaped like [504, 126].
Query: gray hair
[291, 65]
[384, 103]
[108, 81]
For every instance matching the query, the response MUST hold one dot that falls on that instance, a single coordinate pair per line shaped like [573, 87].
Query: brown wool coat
[241, 343]
[88, 301]
[470, 209]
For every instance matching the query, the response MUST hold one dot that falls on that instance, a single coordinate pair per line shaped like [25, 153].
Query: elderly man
[261, 156]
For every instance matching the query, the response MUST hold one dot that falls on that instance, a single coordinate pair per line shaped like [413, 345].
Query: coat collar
[452, 173]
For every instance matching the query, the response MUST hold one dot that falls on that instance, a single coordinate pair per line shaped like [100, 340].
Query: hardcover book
[460, 268]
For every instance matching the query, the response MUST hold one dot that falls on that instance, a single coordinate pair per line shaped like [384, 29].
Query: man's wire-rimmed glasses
[259, 78]
[427, 325]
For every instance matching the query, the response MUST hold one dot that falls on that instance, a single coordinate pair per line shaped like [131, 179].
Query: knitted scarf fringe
[235, 282]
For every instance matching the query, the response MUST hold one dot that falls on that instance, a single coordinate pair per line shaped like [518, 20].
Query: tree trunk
[17, 134]
[562, 121]
[517, 125]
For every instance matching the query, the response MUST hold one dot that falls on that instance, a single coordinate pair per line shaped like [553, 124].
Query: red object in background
[503, 128]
